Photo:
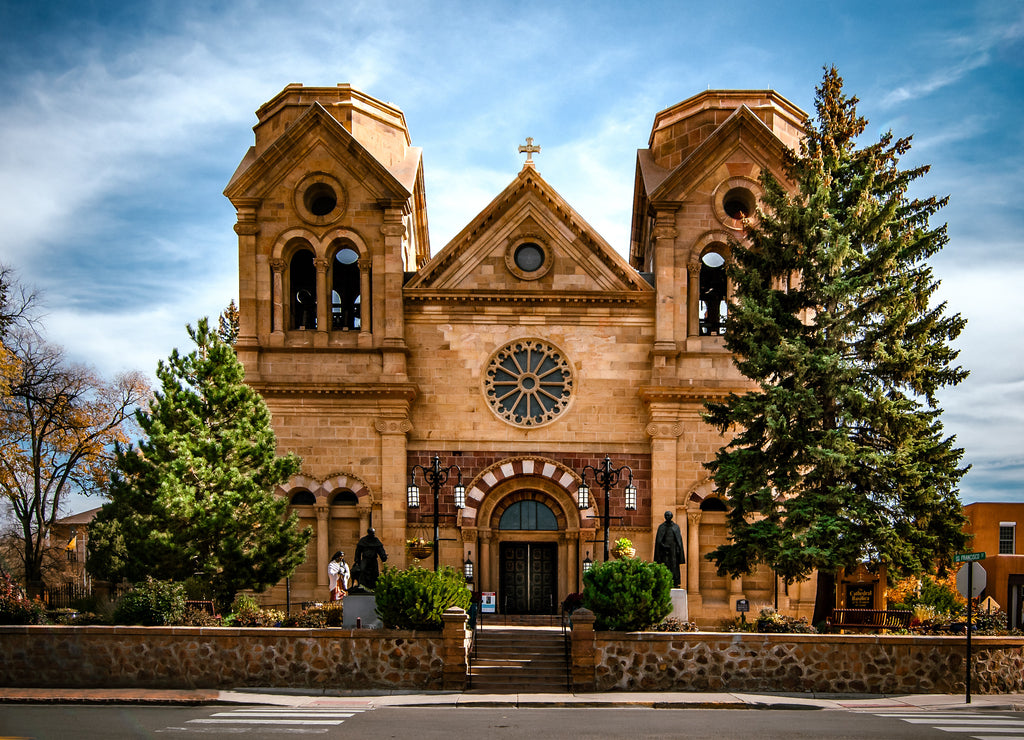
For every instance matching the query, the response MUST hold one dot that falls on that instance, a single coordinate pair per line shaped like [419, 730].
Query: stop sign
[978, 579]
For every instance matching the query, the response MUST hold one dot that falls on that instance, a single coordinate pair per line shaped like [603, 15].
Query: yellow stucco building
[523, 351]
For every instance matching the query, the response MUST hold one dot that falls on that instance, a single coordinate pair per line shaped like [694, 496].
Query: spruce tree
[839, 455]
[196, 497]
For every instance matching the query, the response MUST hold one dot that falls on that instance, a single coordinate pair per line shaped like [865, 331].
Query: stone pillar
[277, 298]
[693, 299]
[247, 227]
[583, 653]
[323, 556]
[365, 303]
[664, 432]
[393, 431]
[486, 579]
[573, 560]
[393, 230]
[454, 650]
[363, 510]
[694, 597]
[323, 302]
[735, 591]
[664, 234]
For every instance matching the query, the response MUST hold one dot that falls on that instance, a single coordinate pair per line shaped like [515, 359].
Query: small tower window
[713, 307]
[345, 298]
[302, 276]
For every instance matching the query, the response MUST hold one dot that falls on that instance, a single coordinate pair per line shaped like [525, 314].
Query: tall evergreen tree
[839, 455]
[196, 497]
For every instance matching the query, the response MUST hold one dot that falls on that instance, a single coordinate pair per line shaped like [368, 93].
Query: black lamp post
[607, 477]
[435, 476]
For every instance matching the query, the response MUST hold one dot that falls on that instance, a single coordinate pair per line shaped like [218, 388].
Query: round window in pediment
[320, 199]
[528, 257]
[528, 383]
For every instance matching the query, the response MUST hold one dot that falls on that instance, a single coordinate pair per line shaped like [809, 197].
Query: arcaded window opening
[302, 282]
[303, 498]
[344, 498]
[346, 301]
[713, 307]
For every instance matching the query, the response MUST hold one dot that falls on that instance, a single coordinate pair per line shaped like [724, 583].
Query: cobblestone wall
[814, 663]
[221, 657]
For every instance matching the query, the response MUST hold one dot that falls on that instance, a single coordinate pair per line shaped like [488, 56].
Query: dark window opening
[320, 199]
[739, 203]
[713, 504]
[1006, 539]
[302, 277]
[713, 308]
[346, 302]
[303, 498]
[529, 257]
[532, 515]
[344, 498]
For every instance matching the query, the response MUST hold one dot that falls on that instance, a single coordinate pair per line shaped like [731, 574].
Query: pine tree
[196, 497]
[227, 324]
[839, 455]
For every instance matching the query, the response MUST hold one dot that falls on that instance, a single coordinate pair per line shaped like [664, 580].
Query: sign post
[970, 589]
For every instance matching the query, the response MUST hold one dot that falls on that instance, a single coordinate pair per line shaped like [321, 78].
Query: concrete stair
[518, 660]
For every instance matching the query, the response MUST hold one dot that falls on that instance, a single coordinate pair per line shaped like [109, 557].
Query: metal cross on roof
[529, 150]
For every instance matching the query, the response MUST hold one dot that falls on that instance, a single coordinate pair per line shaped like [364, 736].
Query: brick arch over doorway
[506, 483]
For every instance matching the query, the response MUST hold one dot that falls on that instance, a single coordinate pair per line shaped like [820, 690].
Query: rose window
[528, 383]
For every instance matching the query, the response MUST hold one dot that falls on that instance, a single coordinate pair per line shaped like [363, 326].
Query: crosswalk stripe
[310, 715]
[1009, 721]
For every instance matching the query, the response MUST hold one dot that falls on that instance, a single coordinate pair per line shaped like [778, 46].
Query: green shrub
[200, 618]
[628, 594]
[416, 598]
[16, 607]
[771, 621]
[152, 603]
[674, 624]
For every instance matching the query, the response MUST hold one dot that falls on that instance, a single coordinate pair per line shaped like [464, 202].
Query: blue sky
[121, 123]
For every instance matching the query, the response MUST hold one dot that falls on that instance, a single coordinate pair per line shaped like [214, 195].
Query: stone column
[323, 302]
[323, 556]
[454, 657]
[583, 653]
[487, 579]
[365, 303]
[573, 559]
[363, 510]
[693, 560]
[277, 298]
[664, 234]
[249, 274]
[693, 299]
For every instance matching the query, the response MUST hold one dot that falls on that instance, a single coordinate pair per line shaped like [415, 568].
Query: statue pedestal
[362, 607]
[679, 609]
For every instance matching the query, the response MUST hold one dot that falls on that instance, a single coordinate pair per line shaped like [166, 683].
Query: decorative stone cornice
[685, 394]
[388, 391]
[535, 297]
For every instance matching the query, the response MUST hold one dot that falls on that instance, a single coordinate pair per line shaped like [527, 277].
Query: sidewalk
[657, 700]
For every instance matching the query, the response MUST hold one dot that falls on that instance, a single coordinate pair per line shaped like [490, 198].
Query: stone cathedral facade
[523, 351]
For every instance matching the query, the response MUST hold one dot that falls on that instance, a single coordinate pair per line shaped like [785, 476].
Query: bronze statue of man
[668, 547]
[365, 568]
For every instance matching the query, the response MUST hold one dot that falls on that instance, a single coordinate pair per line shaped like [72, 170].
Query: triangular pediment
[316, 131]
[481, 260]
[742, 132]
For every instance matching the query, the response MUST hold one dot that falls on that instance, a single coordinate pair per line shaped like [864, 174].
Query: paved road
[362, 720]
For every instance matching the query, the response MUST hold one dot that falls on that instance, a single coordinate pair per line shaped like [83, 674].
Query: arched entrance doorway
[529, 567]
[526, 528]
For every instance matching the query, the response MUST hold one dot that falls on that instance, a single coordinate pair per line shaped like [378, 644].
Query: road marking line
[242, 720]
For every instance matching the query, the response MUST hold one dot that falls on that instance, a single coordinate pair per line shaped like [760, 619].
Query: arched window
[302, 284]
[344, 498]
[528, 515]
[713, 307]
[346, 301]
[303, 498]
[713, 503]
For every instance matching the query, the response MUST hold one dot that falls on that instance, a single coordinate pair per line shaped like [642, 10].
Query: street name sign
[968, 557]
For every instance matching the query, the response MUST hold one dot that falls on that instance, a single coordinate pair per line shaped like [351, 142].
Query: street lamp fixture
[467, 568]
[587, 563]
[607, 477]
[435, 477]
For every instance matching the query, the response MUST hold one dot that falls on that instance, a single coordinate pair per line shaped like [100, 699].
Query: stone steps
[518, 659]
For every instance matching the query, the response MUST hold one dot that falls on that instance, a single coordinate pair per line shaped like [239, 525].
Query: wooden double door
[529, 583]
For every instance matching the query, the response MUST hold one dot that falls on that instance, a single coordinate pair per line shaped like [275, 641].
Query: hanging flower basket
[623, 548]
[420, 548]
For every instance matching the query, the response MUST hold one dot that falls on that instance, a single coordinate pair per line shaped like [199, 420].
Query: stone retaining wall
[224, 657]
[877, 664]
